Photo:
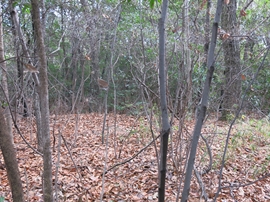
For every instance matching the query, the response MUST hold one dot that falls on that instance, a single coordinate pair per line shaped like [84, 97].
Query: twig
[150, 120]
[199, 179]
[153, 136]
[143, 84]
[76, 167]
[57, 165]
[135, 155]
[247, 5]
[11, 58]
[27, 184]
[26, 142]
[17, 128]
[105, 165]
[231, 192]
[59, 44]
[209, 167]
[247, 184]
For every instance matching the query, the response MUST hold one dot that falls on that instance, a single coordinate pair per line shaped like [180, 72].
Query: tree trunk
[9, 155]
[232, 80]
[4, 80]
[207, 29]
[40, 139]
[203, 105]
[186, 52]
[44, 105]
[165, 131]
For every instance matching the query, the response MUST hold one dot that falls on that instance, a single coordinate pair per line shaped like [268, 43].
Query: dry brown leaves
[136, 180]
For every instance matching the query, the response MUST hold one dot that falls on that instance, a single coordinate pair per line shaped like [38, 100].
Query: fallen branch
[134, 156]
[246, 184]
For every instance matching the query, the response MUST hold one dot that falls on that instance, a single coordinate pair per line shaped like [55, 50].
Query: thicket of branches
[79, 38]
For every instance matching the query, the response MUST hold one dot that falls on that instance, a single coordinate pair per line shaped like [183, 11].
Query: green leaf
[152, 3]
[4, 104]
[14, 4]
[26, 8]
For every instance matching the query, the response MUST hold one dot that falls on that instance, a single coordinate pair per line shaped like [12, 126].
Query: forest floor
[80, 159]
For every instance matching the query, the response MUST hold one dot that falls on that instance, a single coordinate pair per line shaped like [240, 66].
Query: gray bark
[44, 104]
[207, 28]
[165, 131]
[203, 105]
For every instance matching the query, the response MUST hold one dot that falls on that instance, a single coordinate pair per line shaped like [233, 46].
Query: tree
[186, 51]
[44, 103]
[231, 92]
[9, 154]
[165, 131]
[4, 81]
[203, 105]
[6, 137]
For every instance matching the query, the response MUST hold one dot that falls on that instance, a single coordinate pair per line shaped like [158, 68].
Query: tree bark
[44, 104]
[165, 131]
[203, 105]
[231, 92]
[186, 52]
[4, 80]
[9, 155]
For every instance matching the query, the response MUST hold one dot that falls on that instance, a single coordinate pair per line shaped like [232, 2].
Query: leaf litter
[136, 180]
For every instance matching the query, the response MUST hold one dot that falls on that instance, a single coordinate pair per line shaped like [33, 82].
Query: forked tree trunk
[9, 155]
[44, 104]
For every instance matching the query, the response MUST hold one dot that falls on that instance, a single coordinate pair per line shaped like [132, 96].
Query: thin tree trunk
[203, 105]
[186, 52]
[4, 80]
[44, 105]
[40, 139]
[11, 163]
[163, 104]
[207, 29]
